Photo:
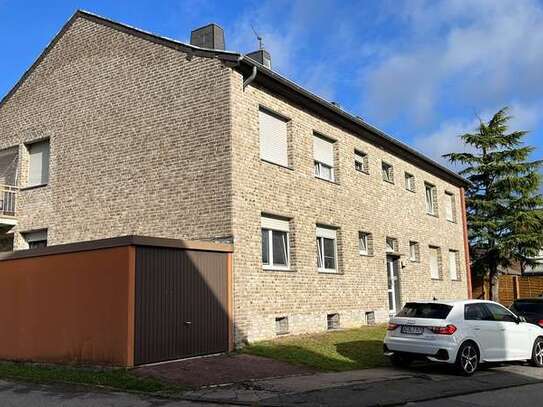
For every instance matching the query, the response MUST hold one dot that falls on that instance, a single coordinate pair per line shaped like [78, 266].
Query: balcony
[8, 196]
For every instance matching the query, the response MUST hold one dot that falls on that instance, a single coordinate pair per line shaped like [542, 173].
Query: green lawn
[359, 348]
[119, 379]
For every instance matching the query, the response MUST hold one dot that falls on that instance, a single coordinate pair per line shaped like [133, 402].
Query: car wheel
[537, 353]
[399, 360]
[467, 360]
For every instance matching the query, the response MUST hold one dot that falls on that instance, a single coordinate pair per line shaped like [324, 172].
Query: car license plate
[412, 330]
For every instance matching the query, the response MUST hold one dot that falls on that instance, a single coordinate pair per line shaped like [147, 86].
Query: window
[281, 325]
[431, 201]
[273, 138]
[36, 239]
[500, 313]
[450, 207]
[391, 245]
[388, 172]
[409, 182]
[435, 263]
[332, 321]
[365, 243]
[275, 243]
[323, 154]
[476, 312]
[38, 164]
[370, 318]
[453, 265]
[361, 163]
[414, 251]
[326, 250]
[425, 310]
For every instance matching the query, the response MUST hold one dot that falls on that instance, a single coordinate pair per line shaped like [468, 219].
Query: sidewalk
[371, 387]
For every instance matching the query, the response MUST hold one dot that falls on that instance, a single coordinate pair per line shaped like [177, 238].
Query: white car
[465, 333]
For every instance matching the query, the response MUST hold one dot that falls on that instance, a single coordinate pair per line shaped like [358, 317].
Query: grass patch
[119, 379]
[360, 348]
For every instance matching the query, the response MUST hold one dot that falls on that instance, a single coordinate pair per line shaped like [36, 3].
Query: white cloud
[477, 52]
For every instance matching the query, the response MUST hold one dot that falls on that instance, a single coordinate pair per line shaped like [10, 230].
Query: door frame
[394, 262]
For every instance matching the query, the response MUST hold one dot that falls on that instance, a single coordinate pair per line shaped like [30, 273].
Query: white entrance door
[393, 286]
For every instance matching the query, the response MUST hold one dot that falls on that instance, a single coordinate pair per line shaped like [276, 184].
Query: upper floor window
[38, 163]
[361, 163]
[453, 265]
[275, 243]
[409, 182]
[36, 239]
[326, 250]
[388, 172]
[450, 207]
[431, 198]
[435, 262]
[365, 244]
[414, 251]
[391, 245]
[273, 138]
[323, 155]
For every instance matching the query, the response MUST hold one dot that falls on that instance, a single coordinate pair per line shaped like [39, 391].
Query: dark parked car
[529, 308]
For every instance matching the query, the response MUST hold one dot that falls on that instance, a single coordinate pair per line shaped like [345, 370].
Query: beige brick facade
[148, 140]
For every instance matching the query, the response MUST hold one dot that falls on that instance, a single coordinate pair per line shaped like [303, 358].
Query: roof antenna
[258, 37]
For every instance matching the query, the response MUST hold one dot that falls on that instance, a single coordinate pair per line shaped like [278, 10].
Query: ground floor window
[326, 250]
[275, 243]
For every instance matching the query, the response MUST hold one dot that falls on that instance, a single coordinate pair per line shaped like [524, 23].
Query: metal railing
[8, 195]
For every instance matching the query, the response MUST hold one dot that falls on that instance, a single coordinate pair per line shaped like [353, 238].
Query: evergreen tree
[504, 205]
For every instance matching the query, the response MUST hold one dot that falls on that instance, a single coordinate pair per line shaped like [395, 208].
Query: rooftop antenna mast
[258, 37]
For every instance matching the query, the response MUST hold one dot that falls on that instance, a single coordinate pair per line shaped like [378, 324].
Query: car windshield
[425, 310]
[529, 307]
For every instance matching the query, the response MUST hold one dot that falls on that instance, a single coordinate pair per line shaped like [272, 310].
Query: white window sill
[276, 268]
[451, 221]
[328, 271]
[332, 181]
[28, 187]
[365, 254]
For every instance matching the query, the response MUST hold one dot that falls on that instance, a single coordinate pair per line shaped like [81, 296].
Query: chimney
[210, 36]
[262, 56]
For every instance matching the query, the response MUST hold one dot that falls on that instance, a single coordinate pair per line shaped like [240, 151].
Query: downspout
[466, 242]
[251, 78]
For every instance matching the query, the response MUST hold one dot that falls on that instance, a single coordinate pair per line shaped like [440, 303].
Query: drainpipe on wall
[466, 243]
[251, 78]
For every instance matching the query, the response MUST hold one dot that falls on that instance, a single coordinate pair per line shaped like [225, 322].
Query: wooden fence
[511, 288]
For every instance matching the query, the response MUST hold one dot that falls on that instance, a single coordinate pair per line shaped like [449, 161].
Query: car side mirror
[521, 319]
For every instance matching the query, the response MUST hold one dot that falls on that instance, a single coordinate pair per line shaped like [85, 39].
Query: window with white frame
[409, 182]
[365, 244]
[453, 265]
[391, 245]
[275, 243]
[38, 163]
[435, 263]
[388, 172]
[326, 250]
[273, 138]
[431, 201]
[414, 251]
[361, 163]
[36, 239]
[323, 155]
[450, 207]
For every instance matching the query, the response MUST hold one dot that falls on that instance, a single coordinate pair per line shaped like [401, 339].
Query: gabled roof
[276, 83]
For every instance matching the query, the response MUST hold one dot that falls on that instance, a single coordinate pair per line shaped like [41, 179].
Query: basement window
[332, 321]
[281, 325]
[36, 239]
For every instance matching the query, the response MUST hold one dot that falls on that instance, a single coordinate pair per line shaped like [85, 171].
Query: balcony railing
[8, 195]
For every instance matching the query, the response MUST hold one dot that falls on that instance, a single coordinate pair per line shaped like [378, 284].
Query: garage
[123, 301]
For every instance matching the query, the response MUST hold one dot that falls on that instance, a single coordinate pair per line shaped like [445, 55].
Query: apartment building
[115, 131]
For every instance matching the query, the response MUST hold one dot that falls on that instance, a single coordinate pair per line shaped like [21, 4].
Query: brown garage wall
[69, 307]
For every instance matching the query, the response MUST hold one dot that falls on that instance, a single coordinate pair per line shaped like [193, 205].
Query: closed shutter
[38, 171]
[434, 263]
[323, 151]
[453, 267]
[273, 139]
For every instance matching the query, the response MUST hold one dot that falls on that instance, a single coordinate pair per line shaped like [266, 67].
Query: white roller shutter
[453, 267]
[434, 263]
[326, 232]
[275, 224]
[38, 171]
[323, 151]
[273, 139]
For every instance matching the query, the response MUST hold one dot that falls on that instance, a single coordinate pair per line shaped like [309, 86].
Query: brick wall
[358, 202]
[139, 137]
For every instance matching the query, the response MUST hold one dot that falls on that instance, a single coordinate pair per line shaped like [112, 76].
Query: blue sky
[423, 71]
